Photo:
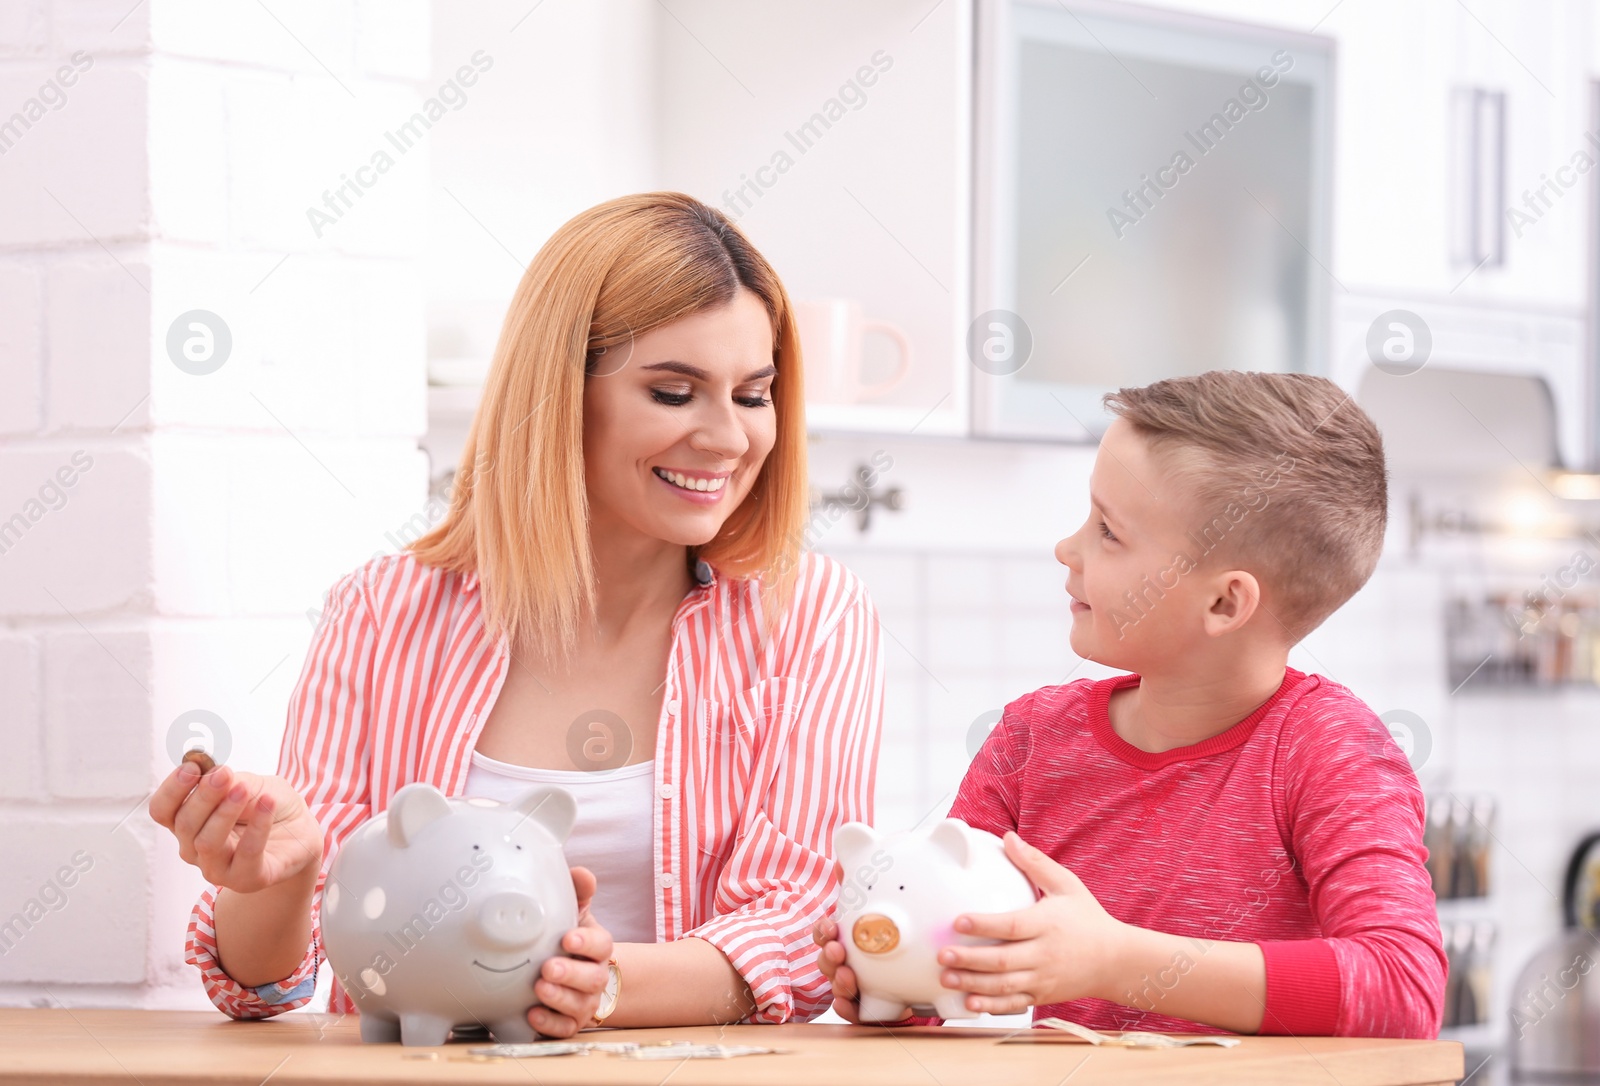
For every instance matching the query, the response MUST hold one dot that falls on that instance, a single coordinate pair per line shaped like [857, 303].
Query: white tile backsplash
[1034, 586]
[960, 584]
[964, 634]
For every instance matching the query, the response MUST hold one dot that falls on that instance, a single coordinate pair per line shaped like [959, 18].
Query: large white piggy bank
[898, 904]
[439, 913]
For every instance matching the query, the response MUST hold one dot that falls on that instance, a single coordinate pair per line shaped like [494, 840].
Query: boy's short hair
[1287, 474]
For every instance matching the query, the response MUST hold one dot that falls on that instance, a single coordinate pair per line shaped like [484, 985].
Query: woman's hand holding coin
[244, 831]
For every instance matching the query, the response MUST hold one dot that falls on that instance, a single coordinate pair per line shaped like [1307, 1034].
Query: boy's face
[1137, 596]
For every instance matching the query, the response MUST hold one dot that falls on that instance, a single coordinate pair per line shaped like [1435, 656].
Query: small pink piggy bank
[898, 903]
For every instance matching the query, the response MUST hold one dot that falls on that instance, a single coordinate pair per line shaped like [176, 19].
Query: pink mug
[832, 331]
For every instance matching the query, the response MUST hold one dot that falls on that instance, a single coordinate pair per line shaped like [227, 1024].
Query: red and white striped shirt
[765, 745]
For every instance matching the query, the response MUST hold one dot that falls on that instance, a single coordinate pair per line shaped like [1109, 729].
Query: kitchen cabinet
[1476, 337]
[837, 135]
[876, 192]
[852, 143]
[1153, 191]
[1397, 182]
[1399, 65]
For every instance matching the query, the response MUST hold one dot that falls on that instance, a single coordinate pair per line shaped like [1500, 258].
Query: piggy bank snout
[511, 918]
[876, 933]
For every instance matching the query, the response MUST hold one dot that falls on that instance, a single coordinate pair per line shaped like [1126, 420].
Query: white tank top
[614, 835]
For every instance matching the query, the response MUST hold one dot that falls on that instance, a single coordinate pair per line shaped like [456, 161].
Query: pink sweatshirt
[1299, 829]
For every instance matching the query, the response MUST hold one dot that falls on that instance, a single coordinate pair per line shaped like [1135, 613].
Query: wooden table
[63, 1047]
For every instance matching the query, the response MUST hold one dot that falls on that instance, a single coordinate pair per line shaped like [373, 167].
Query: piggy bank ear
[412, 808]
[950, 836]
[853, 839]
[552, 808]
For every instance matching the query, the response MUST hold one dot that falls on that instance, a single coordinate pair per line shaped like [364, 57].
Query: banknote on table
[528, 1051]
[689, 1051]
[1132, 1039]
[668, 1050]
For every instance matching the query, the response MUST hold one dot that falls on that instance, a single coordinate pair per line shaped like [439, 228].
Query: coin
[875, 934]
[201, 759]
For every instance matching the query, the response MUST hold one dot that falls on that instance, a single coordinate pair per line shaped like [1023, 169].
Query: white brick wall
[81, 927]
[21, 677]
[98, 372]
[206, 513]
[59, 558]
[97, 701]
[21, 321]
[177, 575]
[54, 185]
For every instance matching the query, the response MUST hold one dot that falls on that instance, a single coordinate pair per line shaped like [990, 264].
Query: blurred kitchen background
[254, 258]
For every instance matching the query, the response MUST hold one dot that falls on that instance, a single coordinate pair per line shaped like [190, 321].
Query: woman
[618, 584]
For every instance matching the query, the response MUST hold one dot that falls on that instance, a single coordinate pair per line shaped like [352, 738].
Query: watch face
[608, 998]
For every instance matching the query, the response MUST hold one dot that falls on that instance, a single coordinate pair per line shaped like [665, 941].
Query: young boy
[1222, 843]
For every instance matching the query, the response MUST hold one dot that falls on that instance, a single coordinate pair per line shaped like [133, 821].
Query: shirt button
[672, 707]
[667, 791]
[668, 879]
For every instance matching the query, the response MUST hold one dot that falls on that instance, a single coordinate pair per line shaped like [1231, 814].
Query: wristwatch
[612, 993]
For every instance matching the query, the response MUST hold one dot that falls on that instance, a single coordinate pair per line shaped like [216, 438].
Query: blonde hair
[519, 512]
[1305, 449]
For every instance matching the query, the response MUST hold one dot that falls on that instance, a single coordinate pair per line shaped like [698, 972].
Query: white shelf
[844, 153]
[884, 419]
[452, 405]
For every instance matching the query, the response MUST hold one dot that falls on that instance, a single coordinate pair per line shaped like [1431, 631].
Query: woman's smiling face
[676, 430]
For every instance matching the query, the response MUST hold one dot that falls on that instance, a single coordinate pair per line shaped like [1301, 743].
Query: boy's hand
[1064, 946]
